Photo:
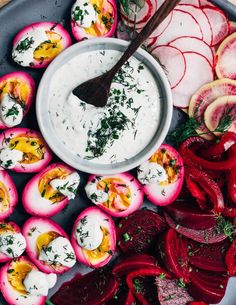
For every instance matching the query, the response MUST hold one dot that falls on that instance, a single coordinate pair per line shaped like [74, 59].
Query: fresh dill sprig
[225, 226]
[227, 118]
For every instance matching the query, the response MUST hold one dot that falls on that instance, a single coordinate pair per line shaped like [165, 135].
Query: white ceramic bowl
[46, 127]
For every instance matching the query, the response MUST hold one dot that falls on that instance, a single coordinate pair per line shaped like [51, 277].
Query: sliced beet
[208, 236]
[208, 256]
[189, 215]
[133, 262]
[138, 232]
[172, 292]
[93, 288]
[210, 286]
[124, 296]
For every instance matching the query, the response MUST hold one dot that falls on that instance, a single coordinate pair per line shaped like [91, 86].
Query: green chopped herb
[126, 237]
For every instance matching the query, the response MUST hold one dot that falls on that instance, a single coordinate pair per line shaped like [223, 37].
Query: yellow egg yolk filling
[4, 198]
[102, 250]
[119, 193]
[17, 89]
[17, 272]
[45, 239]
[33, 149]
[45, 188]
[49, 49]
[170, 165]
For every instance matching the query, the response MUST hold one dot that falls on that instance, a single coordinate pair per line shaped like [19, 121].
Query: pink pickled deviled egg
[93, 18]
[8, 195]
[162, 175]
[118, 195]
[48, 246]
[12, 242]
[48, 192]
[94, 237]
[23, 150]
[22, 283]
[17, 90]
[37, 44]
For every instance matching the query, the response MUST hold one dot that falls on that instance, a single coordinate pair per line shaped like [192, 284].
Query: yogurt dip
[116, 132]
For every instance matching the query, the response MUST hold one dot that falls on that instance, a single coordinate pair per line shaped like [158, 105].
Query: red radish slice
[198, 72]
[149, 43]
[203, 3]
[219, 109]
[202, 19]
[232, 27]
[193, 44]
[226, 58]
[205, 96]
[171, 57]
[192, 2]
[219, 24]
[182, 24]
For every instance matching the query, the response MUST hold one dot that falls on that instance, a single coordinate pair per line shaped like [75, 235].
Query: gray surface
[13, 17]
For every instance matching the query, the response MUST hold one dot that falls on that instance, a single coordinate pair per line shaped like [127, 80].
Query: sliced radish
[171, 57]
[192, 2]
[202, 19]
[203, 3]
[232, 27]
[193, 44]
[182, 24]
[219, 24]
[198, 72]
[226, 58]
[205, 96]
[218, 110]
[150, 42]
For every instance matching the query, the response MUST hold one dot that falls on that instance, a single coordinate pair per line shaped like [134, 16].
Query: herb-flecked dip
[116, 132]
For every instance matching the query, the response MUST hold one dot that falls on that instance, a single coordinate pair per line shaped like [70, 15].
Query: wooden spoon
[96, 90]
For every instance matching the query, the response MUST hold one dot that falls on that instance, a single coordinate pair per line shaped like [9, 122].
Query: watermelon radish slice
[118, 195]
[163, 192]
[37, 44]
[99, 19]
[219, 24]
[202, 19]
[170, 57]
[222, 108]
[39, 198]
[192, 44]
[191, 82]
[204, 97]
[21, 87]
[210, 286]
[23, 150]
[99, 255]
[11, 228]
[225, 57]
[209, 257]
[207, 236]
[182, 24]
[232, 27]
[137, 233]
[93, 288]
[9, 277]
[39, 232]
[8, 193]
[189, 215]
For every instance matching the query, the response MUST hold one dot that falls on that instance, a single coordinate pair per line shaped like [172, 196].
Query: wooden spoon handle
[152, 24]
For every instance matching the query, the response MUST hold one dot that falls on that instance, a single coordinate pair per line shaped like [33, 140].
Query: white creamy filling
[23, 51]
[67, 186]
[94, 194]
[84, 13]
[11, 112]
[109, 134]
[12, 244]
[9, 158]
[38, 283]
[88, 232]
[151, 172]
[58, 252]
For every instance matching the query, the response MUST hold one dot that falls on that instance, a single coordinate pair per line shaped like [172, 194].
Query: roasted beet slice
[230, 259]
[124, 296]
[189, 215]
[208, 256]
[176, 255]
[210, 286]
[138, 232]
[133, 262]
[208, 236]
[93, 288]
[172, 292]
